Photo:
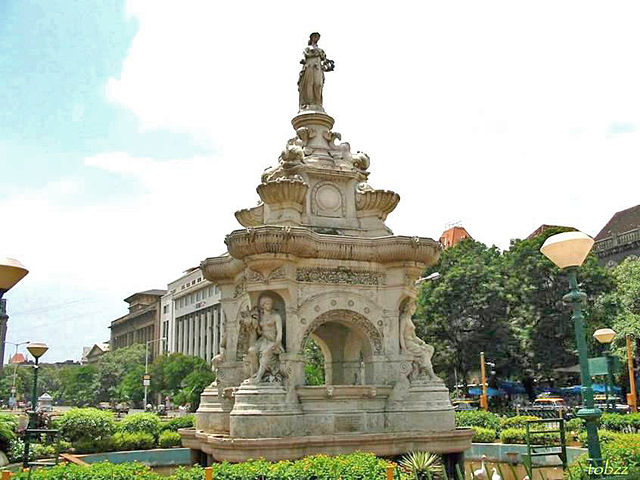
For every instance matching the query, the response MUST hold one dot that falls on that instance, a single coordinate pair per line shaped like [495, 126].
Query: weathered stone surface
[318, 250]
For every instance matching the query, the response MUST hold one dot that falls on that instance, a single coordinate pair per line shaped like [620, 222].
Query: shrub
[616, 422]
[519, 421]
[618, 450]
[43, 451]
[175, 423]
[355, 466]
[168, 439]
[483, 435]
[422, 465]
[478, 418]
[141, 422]
[85, 424]
[574, 425]
[16, 451]
[96, 471]
[93, 446]
[133, 441]
[519, 436]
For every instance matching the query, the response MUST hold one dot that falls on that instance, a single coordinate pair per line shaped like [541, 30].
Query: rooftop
[623, 221]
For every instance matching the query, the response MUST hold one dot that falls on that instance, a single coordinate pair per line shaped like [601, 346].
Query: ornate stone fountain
[316, 260]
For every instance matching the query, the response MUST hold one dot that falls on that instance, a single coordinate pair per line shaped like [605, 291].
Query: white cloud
[497, 114]
[493, 113]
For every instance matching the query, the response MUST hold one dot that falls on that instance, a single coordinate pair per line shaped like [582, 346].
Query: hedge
[133, 441]
[519, 421]
[618, 450]
[141, 422]
[168, 439]
[355, 466]
[186, 421]
[519, 436]
[483, 435]
[478, 418]
[616, 422]
[86, 424]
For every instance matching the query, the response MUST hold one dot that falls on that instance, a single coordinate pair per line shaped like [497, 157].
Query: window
[198, 296]
[165, 309]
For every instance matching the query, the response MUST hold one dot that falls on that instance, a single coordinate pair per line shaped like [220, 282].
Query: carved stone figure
[412, 345]
[311, 79]
[264, 352]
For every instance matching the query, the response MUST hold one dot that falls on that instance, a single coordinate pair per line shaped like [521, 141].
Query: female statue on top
[311, 79]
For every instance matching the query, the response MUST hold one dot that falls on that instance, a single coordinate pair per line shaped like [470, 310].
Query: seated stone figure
[265, 351]
[414, 346]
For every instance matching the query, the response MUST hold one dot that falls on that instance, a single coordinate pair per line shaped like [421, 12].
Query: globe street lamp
[606, 336]
[37, 350]
[568, 251]
[11, 272]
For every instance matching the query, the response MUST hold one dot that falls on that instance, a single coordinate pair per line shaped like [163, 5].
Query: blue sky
[56, 59]
[131, 131]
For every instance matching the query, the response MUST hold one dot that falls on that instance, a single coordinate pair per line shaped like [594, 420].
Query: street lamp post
[606, 336]
[484, 400]
[11, 272]
[146, 379]
[632, 399]
[37, 350]
[568, 251]
[12, 399]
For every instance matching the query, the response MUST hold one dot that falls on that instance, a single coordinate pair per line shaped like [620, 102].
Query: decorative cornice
[304, 243]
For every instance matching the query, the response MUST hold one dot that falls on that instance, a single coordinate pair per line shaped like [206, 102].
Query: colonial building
[452, 236]
[93, 353]
[619, 238]
[141, 324]
[191, 316]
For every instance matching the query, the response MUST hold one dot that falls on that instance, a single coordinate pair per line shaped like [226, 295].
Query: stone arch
[350, 319]
[351, 342]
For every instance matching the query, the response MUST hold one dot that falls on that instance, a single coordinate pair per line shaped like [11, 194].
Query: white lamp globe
[568, 249]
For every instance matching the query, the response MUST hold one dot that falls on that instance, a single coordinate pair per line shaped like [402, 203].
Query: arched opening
[343, 339]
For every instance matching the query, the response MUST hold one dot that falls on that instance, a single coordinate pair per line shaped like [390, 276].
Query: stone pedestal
[263, 411]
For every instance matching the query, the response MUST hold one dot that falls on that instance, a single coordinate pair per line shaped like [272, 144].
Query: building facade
[141, 324]
[619, 238]
[190, 316]
[454, 235]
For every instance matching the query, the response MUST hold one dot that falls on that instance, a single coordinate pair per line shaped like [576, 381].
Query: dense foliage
[115, 378]
[619, 450]
[168, 439]
[142, 422]
[86, 424]
[478, 418]
[355, 466]
[508, 305]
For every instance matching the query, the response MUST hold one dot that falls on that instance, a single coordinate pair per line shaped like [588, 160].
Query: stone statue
[311, 79]
[264, 352]
[412, 345]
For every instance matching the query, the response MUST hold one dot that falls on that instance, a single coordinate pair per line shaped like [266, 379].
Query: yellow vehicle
[551, 403]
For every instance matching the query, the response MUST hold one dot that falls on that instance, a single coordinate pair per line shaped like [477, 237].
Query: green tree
[464, 312]
[113, 367]
[534, 289]
[81, 385]
[313, 363]
[180, 376]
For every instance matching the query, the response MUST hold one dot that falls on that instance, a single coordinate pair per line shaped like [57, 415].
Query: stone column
[209, 330]
[203, 334]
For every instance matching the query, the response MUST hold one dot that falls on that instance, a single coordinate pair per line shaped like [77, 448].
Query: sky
[131, 131]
